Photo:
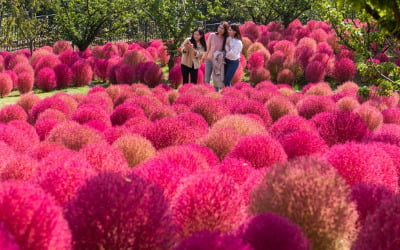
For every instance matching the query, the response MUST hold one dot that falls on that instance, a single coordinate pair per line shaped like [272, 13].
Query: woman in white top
[215, 42]
[233, 48]
[192, 49]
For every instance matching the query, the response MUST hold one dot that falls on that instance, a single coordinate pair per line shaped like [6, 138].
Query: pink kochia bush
[209, 201]
[46, 79]
[7, 241]
[381, 229]
[340, 126]
[345, 70]
[168, 132]
[206, 240]
[259, 150]
[116, 212]
[6, 85]
[32, 217]
[290, 123]
[63, 179]
[302, 143]
[363, 163]
[104, 157]
[314, 104]
[271, 231]
[25, 82]
[12, 112]
[135, 148]
[82, 73]
[311, 194]
[368, 198]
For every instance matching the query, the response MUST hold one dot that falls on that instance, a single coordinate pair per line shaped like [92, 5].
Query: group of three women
[221, 53]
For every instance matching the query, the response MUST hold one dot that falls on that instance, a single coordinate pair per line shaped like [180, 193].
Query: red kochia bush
[63, 75]
[340, 126]
[205, 240]
[61, 46]
[25, 82]
[311, 194]
[381, 229]
[124, 112]
[32, 217]
[291, 123]
[345, 70]
[153, 75]
[301, 143]
[368, 198]
[6, 85]
[314, 104]
[63, 179]
[7, 241]
[135, 148]
[175, 76]
[89, 112]
[46, 79]
[363, 163]
[12, 112]
[116, 212]
[315, 71]
[208, 200]
[49, 102]
[82, 73]
[259, 150]
[271, 231]
[211, 109]
[169, 132]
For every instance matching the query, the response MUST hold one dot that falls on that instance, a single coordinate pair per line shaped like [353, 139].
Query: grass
[14, 96]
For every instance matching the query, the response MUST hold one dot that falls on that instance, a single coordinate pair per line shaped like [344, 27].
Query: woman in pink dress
[215, 42]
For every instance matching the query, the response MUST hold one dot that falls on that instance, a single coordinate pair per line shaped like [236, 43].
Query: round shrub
[15, 138]
[46, 61]
[291, 123]
[205, 240]
[7, 241]
[260, 74]
[312, 105]
[238, 169]
[315, 71]
[23, 67]
[153, 76]
[82, 73]
[302, 143]
[99, 99]
[212, 110]
[279, 106]
[340, 126]
[16, 59]
[6, 85]
[368, 198]
[243, 124]
[175, 77]
[194, 121]
[348, 103]
[89, 112]
[256, 60]
[321, 88]
[381, 229]
[363, 163]
[208, 200]
[32, 217]
[12, 112]
[311, 194]
[135, 148]
[371, 115]
[345, 70]
[285, 76]
[221, 140]
[260, 150]
[63, 179]
[63, 75]
[254, 107]
[391, 115]
[134, 57]
[115, 212]
[125, 74]
[271, 231]
[46, 79]
[73, 135]
[61, 46]
[19, 167]
[25, 82]
[47, 103]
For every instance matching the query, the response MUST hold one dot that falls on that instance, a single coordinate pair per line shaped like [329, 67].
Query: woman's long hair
[238, 35]
[202, 38]
[226, 34]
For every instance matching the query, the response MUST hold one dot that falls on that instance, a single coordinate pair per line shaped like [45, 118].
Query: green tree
[82, 21]
[386, 13]
[358, 30]
[265, 11]
[29, 27]
[176, 18]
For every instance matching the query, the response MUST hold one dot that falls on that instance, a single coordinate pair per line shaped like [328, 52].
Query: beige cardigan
[192, 57]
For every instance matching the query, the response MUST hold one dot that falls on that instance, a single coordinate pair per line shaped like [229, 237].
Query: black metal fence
[137, 31]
